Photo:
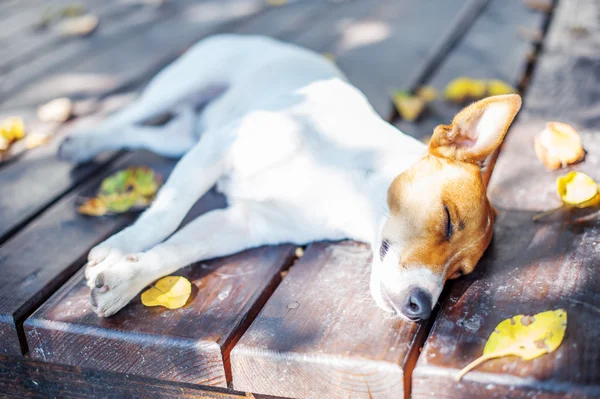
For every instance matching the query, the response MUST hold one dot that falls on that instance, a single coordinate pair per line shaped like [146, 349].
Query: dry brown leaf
[58, 110]
[78, 26]
[539, 5]
[33, 140]
[558, 145]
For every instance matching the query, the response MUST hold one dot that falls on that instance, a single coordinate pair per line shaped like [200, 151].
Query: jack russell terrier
[301, 156]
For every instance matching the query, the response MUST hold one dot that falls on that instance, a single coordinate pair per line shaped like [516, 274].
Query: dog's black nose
[417, 305]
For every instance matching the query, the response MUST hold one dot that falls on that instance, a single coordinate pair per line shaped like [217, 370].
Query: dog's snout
[417, 305]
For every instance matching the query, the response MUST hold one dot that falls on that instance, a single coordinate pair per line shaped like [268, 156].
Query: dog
[301, 156]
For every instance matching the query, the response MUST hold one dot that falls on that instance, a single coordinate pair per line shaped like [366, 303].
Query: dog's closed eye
[449, 229]
[383, 249]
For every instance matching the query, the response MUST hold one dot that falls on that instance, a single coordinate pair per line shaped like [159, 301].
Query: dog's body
[298, 152]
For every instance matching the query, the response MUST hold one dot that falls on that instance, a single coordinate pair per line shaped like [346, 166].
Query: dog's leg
[217, 233]
[198, 76]
[173, 139]
[192, 177]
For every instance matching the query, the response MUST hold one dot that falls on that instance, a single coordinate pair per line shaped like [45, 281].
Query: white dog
[301, 156]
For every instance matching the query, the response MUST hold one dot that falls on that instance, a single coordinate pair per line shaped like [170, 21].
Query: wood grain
[378, 44]
[41, 257]
[189, 344]
[321, 336]
[491, 49]
[530, 267]
[24, 378]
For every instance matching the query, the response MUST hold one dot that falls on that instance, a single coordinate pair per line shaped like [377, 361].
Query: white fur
[298, 152]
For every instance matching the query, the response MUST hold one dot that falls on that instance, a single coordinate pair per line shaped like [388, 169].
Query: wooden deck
[263, 323]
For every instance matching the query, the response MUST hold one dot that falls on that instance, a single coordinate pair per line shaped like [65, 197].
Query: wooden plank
[31, 44]
[185, 345]
[22, 178]
[493, 48]
[575, 29]
[24, 378]
[530, 267]
[321, 336]
[378, 44]
[40, 258]
[136, 57]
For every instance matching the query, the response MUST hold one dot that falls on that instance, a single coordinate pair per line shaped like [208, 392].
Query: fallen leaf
[172, 292]
[539, 5]
[33, 140]
[540, 334]
[409, 107]
[462, 88]
[12, 129]
[144, 182]
[119, 202]
[58, 110]
[497, 87]
[93, 207]
[78, 26]
[577, 189]
[427, 93]
[134, 187]
[558, 145]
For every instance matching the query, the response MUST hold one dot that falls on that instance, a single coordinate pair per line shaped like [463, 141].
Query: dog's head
[440, 220]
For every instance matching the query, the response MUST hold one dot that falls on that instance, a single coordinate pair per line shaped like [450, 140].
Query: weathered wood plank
[31, 44]
[185, 345]
[24, 378]
[493, 48]
[575, 28]
[530, 267]
[137, 56]
[321, 336]
[40, 258]
[378, 44]
[22, 178]
[37, 178]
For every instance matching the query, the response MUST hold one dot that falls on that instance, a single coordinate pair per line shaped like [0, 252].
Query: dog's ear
[476, 130]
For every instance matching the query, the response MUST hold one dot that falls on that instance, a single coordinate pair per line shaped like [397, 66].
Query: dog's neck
[396, 155]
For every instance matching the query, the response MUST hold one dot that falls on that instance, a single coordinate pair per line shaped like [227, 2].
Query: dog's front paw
[115, 286]
[101, 258]
[75, 148]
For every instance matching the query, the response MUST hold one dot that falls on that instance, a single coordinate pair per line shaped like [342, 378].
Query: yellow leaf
[525, 336]
[462, 88]
[577, 189]
[558, 145]
[427, 93]
[409, 107]
[12, 129]
[497, 87]
[171, 292]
